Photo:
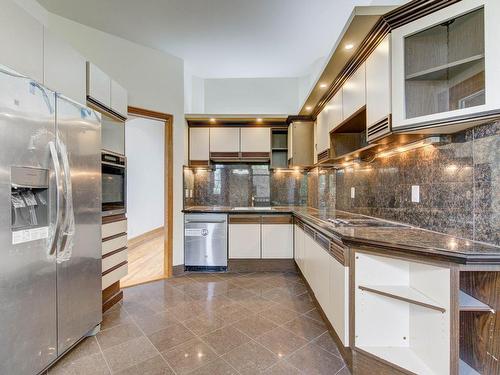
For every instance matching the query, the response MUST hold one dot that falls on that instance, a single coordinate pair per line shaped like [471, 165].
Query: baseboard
[178, 270]
[145, 237]
[345, 352]
[261, 265]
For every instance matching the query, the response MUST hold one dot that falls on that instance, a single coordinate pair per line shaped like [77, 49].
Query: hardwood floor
[145, 262]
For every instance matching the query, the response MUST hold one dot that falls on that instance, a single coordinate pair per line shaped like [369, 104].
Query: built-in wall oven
[114, 183]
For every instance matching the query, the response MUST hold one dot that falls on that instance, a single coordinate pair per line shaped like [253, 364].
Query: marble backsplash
[459, 186]
[235, 185]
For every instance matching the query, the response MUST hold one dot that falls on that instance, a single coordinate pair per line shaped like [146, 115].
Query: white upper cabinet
[64, 68]
[98, 85]
[354, 93]
[21, 41]
[199, 144]
[378, 83]
[119, 99]
[335, 111]
[224, 139]
[445, 65]
[255, 139]
[322, 132]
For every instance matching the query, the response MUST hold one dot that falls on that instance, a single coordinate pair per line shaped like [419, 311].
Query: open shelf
[403, 293]
[465, 369]
[469, 303]
[407, 358]
[441, 72]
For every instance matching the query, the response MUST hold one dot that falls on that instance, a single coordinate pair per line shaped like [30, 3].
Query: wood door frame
[168, 119]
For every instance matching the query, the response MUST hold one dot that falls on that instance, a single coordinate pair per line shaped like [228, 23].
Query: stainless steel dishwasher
[205, 242]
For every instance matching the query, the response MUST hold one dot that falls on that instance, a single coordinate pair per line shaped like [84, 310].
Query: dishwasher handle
[205, 221]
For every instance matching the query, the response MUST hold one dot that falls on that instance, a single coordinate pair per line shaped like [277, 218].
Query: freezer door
[28, 334]
[79, 249]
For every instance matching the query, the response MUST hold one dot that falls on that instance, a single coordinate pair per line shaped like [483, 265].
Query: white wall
[154, 80]
[251, 95]
[144, 147]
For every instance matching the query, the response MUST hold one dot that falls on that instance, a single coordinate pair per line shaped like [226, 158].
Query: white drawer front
[115, 228]
[113, 260]
[114, 244]
[114, 276]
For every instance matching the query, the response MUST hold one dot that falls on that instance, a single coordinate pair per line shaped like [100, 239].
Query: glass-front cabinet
[445, 65]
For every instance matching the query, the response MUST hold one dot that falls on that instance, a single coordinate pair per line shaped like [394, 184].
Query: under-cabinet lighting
[411, 146]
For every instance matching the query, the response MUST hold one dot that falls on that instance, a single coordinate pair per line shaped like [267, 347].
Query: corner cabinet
[445, 66]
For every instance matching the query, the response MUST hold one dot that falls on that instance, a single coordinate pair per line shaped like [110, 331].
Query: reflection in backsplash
[459, 186]
[241, 185]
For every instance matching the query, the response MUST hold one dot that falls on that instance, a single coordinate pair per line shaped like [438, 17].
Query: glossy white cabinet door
[119, 99]
[335, 111]
[199, 143]
[244, 241]
[224, 139]
[64, 68]
[338, 308]
[322, 277]
[290, 141]
[98, 85]
[21, 41]
[307, 259]
[277, 241]
[378, 83]
[322, 132]
[255, 139]
[354, 93]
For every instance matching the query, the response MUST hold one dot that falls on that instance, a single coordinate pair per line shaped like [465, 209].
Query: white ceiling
[224, 38]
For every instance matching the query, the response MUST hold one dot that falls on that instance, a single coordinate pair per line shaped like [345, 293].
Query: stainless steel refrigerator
[50, 224]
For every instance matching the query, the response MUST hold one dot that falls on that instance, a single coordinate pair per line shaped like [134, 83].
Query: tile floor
[214, 324]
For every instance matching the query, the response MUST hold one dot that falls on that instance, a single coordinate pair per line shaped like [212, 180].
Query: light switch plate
[353, 192]
[415, 194]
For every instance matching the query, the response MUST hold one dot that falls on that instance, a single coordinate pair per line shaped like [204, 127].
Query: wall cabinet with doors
[444, 65]
[378, 91]
[323, 264]
[199, 146]
[260, 237]
[354, 93]
[255, 140]
[301, 144]
[329, 119]
[104, 91]
[225, 140]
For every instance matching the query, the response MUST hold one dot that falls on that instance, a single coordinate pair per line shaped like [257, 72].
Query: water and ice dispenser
[29, 203]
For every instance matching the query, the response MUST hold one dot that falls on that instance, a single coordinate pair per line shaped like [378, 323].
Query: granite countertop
[403, 238]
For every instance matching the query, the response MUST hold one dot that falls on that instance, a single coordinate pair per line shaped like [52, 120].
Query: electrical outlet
[415, 194]
[190, 193]
[186, 192]
[353, 192]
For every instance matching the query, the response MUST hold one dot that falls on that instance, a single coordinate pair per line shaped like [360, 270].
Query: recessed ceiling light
[323, 85]
[349, 46]
[308, 108]
[259, 120]
[212, 120]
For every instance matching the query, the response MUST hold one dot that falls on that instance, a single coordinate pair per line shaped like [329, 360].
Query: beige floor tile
[250, 358]
[155, 322]
[114, 317]
[281, 342]
[306, 328]
[185, 311]
[225, 339]
[314, 314]
[154, 366]
[326, 342]
[130, 353]
[313, 360]
[302, 303]
[279, 314]
[118, 335]
[254, 325]
[89, 365]
[232, 313]
[218, 367]
[282, 368]
[167, 338]
[257, 303]
[190, 356]
[203, 325]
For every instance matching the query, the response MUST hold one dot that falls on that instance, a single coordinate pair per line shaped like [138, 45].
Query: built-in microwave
[114, 183]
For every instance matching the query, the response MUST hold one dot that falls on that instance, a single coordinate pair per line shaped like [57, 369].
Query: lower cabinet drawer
[112, 260]
[114, 276]
[112, 229]
[114, 244]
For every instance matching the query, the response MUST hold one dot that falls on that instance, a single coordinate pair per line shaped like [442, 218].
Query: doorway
[148, 138]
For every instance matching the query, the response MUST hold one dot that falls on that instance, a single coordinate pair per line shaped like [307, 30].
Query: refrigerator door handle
[68, 228]
[57, 226]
